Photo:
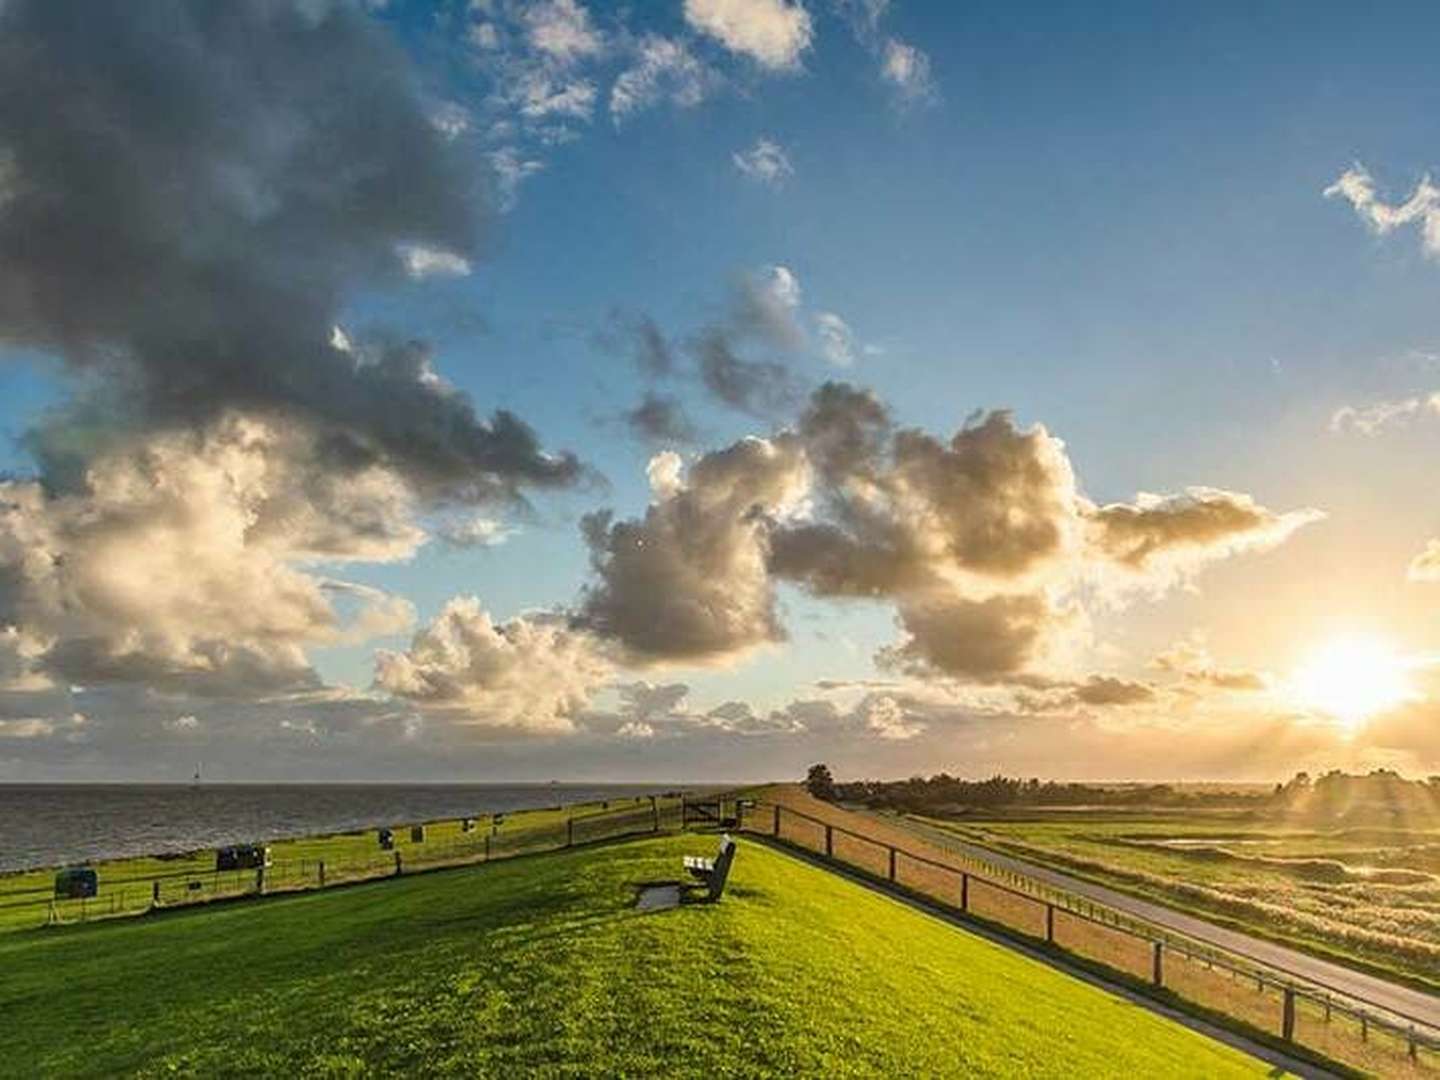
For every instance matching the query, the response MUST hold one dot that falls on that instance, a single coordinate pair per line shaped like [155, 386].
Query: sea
[54, 824]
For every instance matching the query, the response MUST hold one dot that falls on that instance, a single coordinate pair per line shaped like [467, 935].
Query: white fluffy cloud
[1357, 187]
[764, 162]
[423, 262]
[533, 673]
[181, 563]
[906, 69]
[773, 33]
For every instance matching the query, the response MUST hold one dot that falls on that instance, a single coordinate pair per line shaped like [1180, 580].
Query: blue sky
[1112, 223]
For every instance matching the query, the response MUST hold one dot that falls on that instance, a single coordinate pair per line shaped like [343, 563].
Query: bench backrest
[721, 868]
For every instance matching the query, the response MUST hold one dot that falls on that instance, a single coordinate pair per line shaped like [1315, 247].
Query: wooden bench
[713, 872]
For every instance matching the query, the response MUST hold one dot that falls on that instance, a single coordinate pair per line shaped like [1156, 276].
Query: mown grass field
[1364, 894]
[541, 966]
[127, 885]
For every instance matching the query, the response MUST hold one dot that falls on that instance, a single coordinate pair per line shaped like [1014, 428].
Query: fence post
[892, 864]
[260, 879]
[829, 841]
[1157, 967]
[777, 819]
[570, 831]
[1327, 1008]
[1050, 923]
[965, 892]
[155, 894]
[321, 869]
[1414, 1049]
[1364, 1027]
[1287, 1023]
[399, 865]
[487, 847]
[654, 814]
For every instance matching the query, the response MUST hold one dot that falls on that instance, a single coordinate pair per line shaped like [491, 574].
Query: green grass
[126, 884]
[1367, 896]
[541, 966]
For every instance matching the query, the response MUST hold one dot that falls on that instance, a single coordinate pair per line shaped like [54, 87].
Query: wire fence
[1342, 1027]
[489, 839]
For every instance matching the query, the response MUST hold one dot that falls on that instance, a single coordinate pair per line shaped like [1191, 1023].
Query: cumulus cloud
[197, 262]
[907, 512]
[988, 640]
[180, 563]
[982, 544]
[1164, 536]
[533, 673]
[764, 162]
[688, 580]
[773, 33]
[1357, 187]
[1374, 418]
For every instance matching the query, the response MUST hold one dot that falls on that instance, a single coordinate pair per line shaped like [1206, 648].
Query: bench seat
[713, 872]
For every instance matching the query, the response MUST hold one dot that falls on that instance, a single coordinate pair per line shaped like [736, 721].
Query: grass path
[541, 965]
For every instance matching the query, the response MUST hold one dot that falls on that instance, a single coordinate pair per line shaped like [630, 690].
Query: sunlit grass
[542, 966]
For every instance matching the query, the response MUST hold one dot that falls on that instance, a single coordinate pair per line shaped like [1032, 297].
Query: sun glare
[1351, 679]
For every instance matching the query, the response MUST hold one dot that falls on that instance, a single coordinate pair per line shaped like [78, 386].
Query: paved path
[1401, 1000]
[1284, 1064]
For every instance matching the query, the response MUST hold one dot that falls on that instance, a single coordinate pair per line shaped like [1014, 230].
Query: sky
[695, 390]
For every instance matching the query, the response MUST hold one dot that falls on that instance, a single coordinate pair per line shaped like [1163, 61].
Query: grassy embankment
[127, 885]
[1366, 896]
[543, 964]
[1192, 980]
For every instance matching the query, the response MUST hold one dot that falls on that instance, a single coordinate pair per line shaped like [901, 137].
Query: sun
[1350, 679]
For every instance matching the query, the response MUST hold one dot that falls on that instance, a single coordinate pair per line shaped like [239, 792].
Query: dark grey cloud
[193, 189]
[991, 640]
[640, 338]
[764, 388]
[688, 580]
[660, 419]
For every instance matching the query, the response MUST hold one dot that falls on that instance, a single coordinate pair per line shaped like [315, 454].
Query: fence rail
[138, 894]
[1341, 1026]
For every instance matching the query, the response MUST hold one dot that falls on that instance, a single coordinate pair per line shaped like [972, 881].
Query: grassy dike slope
[541, 964]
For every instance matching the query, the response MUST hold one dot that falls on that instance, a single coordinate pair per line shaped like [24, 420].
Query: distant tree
[820, 783]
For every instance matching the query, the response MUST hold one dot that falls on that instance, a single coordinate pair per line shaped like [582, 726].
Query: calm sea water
[49, 824]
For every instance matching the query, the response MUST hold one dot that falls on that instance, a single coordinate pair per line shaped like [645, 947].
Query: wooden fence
[136, 895]
[1340, 1026]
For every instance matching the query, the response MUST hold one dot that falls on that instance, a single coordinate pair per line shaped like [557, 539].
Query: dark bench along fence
[1302, 1013]
[489, 838]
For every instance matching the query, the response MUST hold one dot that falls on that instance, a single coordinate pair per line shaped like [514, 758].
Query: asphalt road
[1402, 1000]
